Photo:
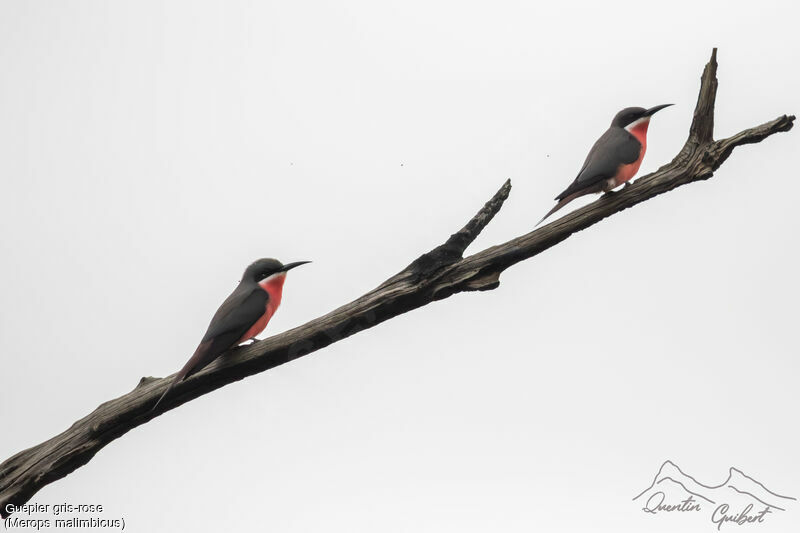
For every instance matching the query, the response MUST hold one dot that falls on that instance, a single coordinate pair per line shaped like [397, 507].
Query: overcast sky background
[149, 151]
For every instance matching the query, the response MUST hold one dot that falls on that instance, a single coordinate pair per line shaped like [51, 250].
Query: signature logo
[739, 500]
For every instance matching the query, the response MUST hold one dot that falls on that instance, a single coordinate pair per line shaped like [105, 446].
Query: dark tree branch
[702, 129]
[453, 249]
[437, 274]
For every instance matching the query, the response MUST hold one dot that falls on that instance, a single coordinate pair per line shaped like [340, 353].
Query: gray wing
[614, 148]
[238, 313]
[235, 316]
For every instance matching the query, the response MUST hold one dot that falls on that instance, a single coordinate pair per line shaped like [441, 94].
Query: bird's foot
[627, 184]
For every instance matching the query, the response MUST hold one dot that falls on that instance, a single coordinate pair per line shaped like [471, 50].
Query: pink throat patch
[640, 132]
[274, 287]
[626, 172]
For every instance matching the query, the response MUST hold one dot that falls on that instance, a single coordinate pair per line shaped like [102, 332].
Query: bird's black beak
[287, 267]
[653, 110]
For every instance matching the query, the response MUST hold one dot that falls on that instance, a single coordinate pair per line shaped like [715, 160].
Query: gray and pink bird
[242, 316]
[615, 157]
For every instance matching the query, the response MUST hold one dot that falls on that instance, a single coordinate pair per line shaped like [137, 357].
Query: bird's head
[630, 117]
[265, 268]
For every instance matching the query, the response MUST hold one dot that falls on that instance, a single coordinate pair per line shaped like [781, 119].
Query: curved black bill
[287, 267]
[656, 109]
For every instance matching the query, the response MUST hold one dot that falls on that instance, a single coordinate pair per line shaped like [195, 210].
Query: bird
[615, 157]
[241, 317]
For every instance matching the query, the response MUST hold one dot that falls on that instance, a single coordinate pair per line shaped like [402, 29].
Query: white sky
[149, 151]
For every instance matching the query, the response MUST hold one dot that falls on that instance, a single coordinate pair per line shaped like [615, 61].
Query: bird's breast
[626, 172]
[640, 132]
[274, 287]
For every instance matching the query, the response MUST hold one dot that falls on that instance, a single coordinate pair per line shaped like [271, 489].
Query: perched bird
[242, 316]
[614, 158]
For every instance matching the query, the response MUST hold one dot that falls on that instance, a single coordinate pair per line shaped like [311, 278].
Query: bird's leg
[245, 342]
[627, 184]
[607, 188]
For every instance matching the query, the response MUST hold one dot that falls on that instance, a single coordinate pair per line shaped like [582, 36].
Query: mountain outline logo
[739, 500]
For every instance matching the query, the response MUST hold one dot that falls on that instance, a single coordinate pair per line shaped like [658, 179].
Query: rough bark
[438, 274]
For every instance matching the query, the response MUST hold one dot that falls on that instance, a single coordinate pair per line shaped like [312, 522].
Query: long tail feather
[174, 382]
[197, 361]
[560, 204]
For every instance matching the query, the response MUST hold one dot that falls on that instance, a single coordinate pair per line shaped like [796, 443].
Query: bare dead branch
[437, 274]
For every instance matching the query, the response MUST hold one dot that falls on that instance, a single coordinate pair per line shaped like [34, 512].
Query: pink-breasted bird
[615, 157]
[242, 316]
